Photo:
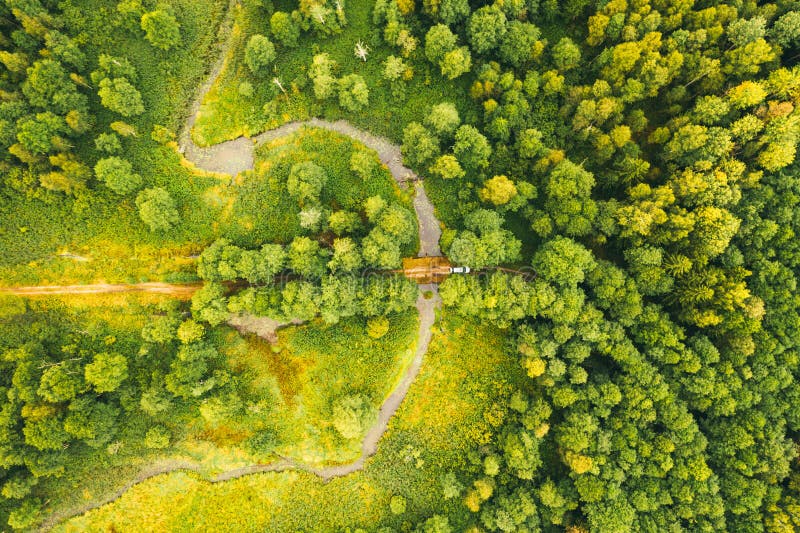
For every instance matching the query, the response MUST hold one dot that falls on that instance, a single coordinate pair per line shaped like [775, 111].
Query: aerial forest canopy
[620, 176]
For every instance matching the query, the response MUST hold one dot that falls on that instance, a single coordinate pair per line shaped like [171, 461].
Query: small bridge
[425, 270]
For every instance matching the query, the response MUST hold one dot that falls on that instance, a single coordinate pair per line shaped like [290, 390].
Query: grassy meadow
[467, 378]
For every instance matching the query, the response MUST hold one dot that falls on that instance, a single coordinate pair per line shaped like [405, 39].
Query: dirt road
[179, 290]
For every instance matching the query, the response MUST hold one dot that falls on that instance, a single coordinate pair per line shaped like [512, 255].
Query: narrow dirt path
[235, 156]
[173, 289]
[219, 160]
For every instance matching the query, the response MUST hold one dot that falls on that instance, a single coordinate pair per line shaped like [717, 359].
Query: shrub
[157, 209]
[118, 175]
[284, 28]
[120, 96]
[456, 62]
[157, 438]
[447, 167]
[106, 372]
[306, 181]
[353, 92]
[377, 327]
[161, 29]
[259, 53]
[352, 416]
[108, 143]
[397, 504]
[419, 145]
[190, 331]
[26, 515]
[443, 118]
[246, 89]
[499, 190]
[363, 163]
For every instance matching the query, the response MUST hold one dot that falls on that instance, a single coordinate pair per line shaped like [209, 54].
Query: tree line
[649, 148]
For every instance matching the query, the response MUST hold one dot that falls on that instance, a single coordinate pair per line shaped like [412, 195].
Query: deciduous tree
[259, 53]
[157, 209]
[118, 175]
[161, 29]
[106, 372]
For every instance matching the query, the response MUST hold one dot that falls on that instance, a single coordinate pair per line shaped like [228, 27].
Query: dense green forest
[619, 175]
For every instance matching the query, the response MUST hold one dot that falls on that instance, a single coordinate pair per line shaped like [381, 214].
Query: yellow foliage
[535, 367]
[484, 487]
[538, 48]
[580, 464]
[490, 106]
[472, 501]
[406, 6]
[476, 90]
[747, 94]
[597, 29]
[494, 415]
[36, 412]
[620, 135]
[499, 190]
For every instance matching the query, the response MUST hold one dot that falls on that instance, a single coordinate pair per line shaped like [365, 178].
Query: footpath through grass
[451, 408]
[287, 394]
[227, 113]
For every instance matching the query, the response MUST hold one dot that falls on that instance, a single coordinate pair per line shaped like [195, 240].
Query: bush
[419, 145]
[157, 209]
[120, 96]
[246, 89]
[161, 29]
[190, 331]
[397, 504]
[259, 53]
[108, 143]
[118, 175]
[363, 163]
[456, 62]
[377, 327]
[499, 190]
[447, 167]
[306, 181]
[443, 118]
[352, 416]
[321, 73]
[438, 41]
[106, 372]
[353, 92]
[157, 438]
[284, 28]
[26, 515]
[471, 148]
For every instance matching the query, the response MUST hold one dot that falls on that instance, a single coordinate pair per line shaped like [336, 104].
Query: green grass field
[465, 380]
[259, 208]
[226, 114]
[289, 387]
[101, 227]
[256, 210]
[301, 376]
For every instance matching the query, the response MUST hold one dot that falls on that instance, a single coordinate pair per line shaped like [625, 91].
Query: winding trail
[235, 156]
